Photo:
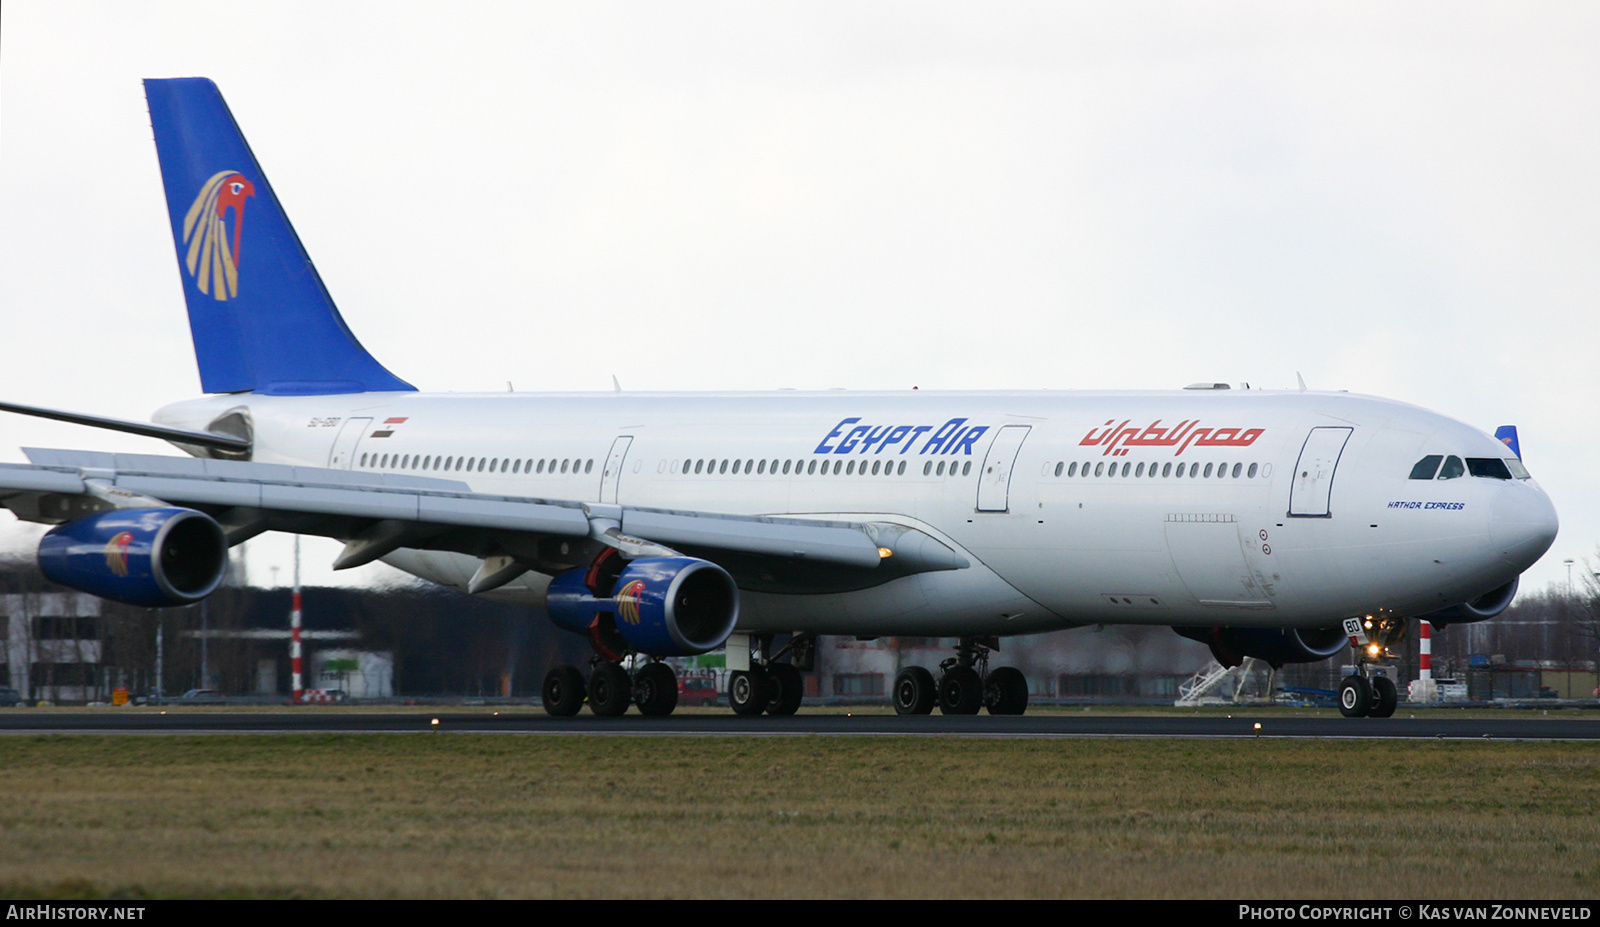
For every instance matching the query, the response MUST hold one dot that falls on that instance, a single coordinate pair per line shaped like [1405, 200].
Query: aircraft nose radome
[1522, 524]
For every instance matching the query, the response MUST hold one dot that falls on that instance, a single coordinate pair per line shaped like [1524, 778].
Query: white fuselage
[1021, 484]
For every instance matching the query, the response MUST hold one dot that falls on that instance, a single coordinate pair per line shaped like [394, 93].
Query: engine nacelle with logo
[1290, 645]
[661, 606]
[153, 557]
[1482, 608]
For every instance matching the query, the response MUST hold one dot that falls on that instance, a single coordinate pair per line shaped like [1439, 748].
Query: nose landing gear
[1368, 693]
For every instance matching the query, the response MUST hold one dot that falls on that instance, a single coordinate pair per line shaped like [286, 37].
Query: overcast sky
[1391, 198]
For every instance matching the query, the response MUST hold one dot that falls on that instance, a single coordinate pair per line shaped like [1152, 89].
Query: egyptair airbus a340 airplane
[1280, 525]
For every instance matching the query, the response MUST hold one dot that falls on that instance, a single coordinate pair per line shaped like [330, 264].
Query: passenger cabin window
[1453, 468]
[1491, 467]
[1427, 467]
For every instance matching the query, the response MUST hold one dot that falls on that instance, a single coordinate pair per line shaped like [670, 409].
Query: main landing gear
[965, 685]
[611, 689]
[769, 686]
[1368, 693]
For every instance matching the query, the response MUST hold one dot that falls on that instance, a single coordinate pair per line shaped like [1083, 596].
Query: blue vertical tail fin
[261, 319]
[1508, 436]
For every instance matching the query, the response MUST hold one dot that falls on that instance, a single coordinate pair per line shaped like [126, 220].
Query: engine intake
[1289, 645]
[153, 557]
[662, 606]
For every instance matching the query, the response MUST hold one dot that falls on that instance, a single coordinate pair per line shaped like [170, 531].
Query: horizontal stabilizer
[209, 439]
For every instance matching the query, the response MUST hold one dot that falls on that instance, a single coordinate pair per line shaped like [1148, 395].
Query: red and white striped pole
[297, 684]
[1425, 659]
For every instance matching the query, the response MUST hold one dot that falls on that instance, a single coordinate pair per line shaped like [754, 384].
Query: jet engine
[154, 557]
[662, 606]
[1482, 608]
[1290, 645]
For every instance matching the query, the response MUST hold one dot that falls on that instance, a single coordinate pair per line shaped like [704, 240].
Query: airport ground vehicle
[698, 690]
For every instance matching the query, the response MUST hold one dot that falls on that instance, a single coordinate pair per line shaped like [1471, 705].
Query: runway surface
[1510, 725]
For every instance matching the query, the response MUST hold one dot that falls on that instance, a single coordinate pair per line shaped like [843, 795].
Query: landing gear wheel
[655, 690]
[563, 691]
[960, 691]
[914, 692]
[786, 688]
[1355, 697]
[1384, 697]
[1005, 692]
[747, 691]
[609, 690]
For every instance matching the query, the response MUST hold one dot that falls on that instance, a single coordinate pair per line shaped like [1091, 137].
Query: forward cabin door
[994, 481]
[344, 446]
[1311, 490]
[612, 475]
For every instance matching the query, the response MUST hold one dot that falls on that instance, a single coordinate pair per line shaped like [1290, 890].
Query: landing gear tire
[610, 690]
[563, 691]
[786, 688]
[655, 690]
[1384, 697]
[960, 691]
[914, 692]
[747, 691]
[1005, 692]
[1355, 697]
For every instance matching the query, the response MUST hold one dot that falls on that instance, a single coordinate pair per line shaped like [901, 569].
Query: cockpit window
[1426, 467]
[1517, 469]
[1492, 467]
[1453, 468]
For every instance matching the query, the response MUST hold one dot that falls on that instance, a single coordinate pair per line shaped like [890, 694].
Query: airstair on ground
[1215, 684]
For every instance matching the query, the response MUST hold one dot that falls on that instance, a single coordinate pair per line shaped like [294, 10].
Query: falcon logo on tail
[211, 262]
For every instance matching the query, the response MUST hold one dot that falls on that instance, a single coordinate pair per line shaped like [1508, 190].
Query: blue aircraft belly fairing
[261, 318]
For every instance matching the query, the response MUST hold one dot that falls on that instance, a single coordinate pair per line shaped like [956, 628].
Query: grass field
[446, 815]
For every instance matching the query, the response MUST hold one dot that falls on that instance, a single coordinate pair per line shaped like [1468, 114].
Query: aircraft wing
[376, 514]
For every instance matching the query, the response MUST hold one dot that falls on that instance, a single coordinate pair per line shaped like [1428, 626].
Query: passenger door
[994, 481]
[344, 446]
[612, 475]
[1310, 491]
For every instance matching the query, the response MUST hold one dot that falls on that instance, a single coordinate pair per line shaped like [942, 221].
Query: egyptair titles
[955, 436]
[851, 437]
[1117, 439]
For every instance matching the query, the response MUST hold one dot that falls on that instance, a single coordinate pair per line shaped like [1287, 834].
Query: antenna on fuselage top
[1302, 381]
